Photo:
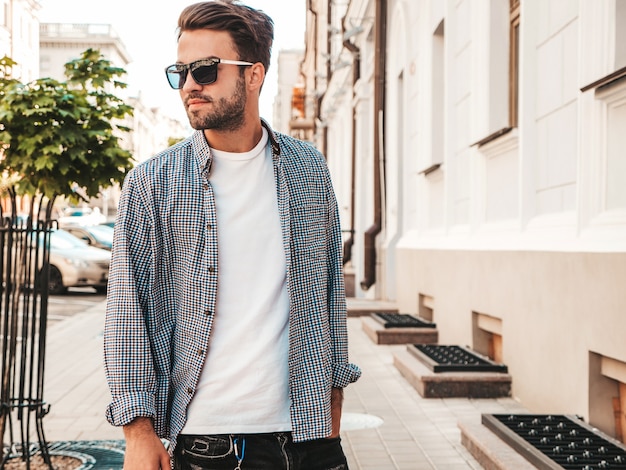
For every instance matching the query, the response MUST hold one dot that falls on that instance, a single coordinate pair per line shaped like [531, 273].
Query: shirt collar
[272, 139]
[203, 154]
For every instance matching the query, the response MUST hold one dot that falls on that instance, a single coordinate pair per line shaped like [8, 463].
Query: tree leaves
[58, 136]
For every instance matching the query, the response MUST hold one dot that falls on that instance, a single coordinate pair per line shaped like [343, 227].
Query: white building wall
[398, 166]
[340, 168]
[288, 76]
[348, 106]
[61, 43]
[364, 175]
[533, 221]
[19, 37]
[526, 230]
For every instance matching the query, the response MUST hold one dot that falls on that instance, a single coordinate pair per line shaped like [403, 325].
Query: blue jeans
[272, 451]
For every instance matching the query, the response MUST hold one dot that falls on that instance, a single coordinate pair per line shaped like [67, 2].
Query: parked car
[100, 236]
[81, 216]
[73, 263]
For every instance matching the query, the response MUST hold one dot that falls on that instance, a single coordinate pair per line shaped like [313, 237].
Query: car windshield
[77, 212]
[102, 233]
[62, 240]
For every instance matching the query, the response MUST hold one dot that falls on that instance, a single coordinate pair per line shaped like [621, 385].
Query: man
[226, 319]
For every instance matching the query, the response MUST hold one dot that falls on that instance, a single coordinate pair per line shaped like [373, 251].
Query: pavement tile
[416, 433]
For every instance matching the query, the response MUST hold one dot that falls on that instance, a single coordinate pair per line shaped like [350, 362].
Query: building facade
[43, 49]
[151, 131]
[19, 36]
[477, 148]
[62, 42]
[288, 87]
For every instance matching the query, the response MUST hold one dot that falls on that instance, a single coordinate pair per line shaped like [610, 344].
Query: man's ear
[256, 76]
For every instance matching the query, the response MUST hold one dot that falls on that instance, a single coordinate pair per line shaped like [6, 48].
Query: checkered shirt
[163, 285]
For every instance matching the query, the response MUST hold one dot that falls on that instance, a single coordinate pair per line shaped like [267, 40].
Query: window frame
[514, 28]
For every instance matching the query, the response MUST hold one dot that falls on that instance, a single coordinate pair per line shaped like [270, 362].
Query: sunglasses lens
[204, 74]
[175, 76]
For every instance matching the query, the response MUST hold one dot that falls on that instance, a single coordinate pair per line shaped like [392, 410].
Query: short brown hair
[252, 30]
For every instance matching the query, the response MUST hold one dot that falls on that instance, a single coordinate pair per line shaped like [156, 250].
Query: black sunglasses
[203, 71]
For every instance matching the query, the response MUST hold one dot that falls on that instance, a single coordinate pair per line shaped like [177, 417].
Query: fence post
[24, 271]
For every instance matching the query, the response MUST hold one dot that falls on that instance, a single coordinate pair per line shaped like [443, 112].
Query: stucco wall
[555, 307]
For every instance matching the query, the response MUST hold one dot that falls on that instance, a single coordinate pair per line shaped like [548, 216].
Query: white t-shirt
[244, 386]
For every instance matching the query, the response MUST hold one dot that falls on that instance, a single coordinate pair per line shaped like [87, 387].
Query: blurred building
[151, 131]
[19, 40]
[477, 149]
[19, 36]
[60, 43]
[42, 50]
[289, 103]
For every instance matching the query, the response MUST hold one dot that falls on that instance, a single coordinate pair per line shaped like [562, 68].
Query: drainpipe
[318, 103]
[318, 99]
[356, 73]
[369, 245]
[329, 8]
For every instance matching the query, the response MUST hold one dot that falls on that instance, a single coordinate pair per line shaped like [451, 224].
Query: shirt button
[205, 186]
[207, 312]
[201, 352]
[189, 390]
[211, 269]
[209, 227]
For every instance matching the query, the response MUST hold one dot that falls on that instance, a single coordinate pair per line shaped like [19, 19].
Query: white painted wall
[19, 37]
[288, 76]
[530, 228]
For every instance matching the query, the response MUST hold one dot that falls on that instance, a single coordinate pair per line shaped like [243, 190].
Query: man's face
[220, 105]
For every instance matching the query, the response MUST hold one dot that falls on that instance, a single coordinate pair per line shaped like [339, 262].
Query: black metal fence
[24, 264]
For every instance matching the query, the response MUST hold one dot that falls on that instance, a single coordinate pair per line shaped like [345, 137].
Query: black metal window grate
[401, 320]
[443, 358]
[558, 441]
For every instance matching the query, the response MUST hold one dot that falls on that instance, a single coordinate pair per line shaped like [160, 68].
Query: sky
[148, 31]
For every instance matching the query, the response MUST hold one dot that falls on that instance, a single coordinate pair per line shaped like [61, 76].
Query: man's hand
[144, 449]
[336, 402]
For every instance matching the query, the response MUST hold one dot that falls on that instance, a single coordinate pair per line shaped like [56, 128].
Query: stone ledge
[489, 450]
[361, 307]
[405, 335]
[451, 384]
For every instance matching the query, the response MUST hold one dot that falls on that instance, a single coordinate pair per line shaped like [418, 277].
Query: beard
[227, 114]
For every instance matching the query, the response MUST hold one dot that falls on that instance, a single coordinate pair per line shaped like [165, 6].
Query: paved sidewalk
[415, 433]
[75, 385]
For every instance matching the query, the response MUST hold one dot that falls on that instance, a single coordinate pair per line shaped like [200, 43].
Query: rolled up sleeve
[128, 360]
[343, 372]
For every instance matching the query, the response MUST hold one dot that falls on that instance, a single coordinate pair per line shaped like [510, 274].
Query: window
[514, 62]
[437, 94]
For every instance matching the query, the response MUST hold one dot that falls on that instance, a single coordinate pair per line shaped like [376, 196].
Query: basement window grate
[442, 358]
[558, 441]
[401, 320]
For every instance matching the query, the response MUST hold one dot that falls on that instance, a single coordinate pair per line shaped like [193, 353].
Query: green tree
[174, 140]
[62, 138]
